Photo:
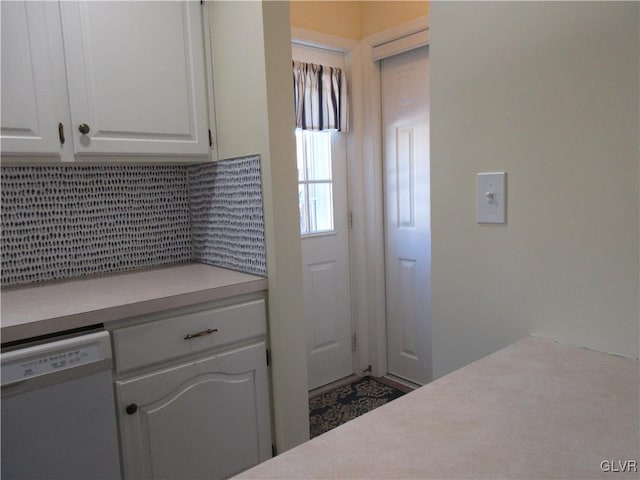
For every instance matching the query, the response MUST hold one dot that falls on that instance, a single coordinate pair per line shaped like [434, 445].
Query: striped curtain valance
[320, 97]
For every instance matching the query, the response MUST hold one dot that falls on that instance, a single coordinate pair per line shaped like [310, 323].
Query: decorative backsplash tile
[227, 224]
[61, 222]
[64, 222]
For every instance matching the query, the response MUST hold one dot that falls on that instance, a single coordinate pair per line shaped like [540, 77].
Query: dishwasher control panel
[52, 357]
[42, 365]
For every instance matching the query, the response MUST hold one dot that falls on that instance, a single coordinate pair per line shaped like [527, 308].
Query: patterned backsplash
[227, 225]
[63, 222]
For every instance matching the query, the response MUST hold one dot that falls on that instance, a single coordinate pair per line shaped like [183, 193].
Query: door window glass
[315, 184]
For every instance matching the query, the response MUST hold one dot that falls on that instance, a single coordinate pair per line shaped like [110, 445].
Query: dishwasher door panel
[55, 428]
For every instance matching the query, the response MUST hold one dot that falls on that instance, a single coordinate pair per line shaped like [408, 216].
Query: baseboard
[330, 386]
[398, 383]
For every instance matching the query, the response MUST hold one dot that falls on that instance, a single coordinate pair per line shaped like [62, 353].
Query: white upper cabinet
[136, 77]
[34, 94]
[134, 80]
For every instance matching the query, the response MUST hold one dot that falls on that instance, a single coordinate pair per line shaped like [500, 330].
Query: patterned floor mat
[333, 408]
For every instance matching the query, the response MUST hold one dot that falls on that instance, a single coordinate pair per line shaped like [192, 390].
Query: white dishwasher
[58, 411]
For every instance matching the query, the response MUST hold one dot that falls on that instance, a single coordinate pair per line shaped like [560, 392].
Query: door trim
[373, 185]
[401, 45]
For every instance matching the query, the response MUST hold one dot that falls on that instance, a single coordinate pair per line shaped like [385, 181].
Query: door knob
[131, 409]
[84, 128]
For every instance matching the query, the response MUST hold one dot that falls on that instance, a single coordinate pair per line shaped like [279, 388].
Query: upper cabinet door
[136, 77]
[33, 84]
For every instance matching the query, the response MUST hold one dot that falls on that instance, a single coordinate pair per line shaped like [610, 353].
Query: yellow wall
[336, 18]
[354, 19]
[379, 16]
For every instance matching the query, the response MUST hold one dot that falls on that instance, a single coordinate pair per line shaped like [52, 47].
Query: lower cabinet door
[208, 418]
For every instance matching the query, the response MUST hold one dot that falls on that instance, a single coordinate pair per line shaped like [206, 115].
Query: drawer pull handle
[200, 334]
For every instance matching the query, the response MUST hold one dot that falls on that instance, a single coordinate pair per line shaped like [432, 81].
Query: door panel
[327, 310]
[408, 314]
[405, 106]
[406, 179]
[322, 278]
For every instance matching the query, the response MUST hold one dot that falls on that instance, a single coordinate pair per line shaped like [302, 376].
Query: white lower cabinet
[206, 417]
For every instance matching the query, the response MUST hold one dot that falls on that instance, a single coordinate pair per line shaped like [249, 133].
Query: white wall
[280, 182]
[254, 114]
[549, 93]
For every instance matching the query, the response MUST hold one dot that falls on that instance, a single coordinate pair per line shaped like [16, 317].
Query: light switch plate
[491, 197]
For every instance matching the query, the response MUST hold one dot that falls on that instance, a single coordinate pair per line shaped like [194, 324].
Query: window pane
[320, 207]
[318, 150]
[302, 206]
[315, 200]
[300, 154]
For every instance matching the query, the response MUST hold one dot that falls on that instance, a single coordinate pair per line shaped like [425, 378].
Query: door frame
[357, 256]
[392, 41]
[365, 180]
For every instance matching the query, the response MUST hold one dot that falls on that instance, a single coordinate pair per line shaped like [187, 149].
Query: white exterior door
[322, 175]
[136, 77]
[405, 111]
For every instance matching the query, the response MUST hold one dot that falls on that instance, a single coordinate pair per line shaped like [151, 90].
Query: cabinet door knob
[131, 409]
[84, 128]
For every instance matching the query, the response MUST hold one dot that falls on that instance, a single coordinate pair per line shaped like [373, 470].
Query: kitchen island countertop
[535, 409]
[40, 309]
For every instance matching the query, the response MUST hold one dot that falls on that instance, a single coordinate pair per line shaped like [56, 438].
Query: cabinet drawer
[182, 335]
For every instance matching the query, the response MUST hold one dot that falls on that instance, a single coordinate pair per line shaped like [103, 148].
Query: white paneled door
[405, 110]
[322, 181]
[327, 296]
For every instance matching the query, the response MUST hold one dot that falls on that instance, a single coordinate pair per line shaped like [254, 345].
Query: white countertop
[536, 409]
[55, 306]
